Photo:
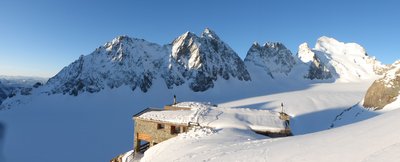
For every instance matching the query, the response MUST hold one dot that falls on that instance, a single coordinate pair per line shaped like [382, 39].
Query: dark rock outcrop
[317, 69]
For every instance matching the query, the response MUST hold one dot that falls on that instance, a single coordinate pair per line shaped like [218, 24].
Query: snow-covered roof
[219, 117]
[171, 116]
[177, 116]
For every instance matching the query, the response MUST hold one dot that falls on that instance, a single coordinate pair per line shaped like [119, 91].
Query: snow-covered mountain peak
[199, 61]
[317, 69]
[305, 54]
[124, 47]
[273, 57]
[209, 34]
[187, 35]
[184, 38]
[132, 62]
[204, 59]
[122, 61]
[185, 48]
[274, 45]
[118, 39]
[347, 61]
[255, 47]
[333, 46]
[255, 44]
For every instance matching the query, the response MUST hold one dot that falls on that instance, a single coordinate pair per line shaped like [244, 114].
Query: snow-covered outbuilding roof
[219, 117]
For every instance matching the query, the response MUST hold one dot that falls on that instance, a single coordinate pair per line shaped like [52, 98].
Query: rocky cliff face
[198, 61]
[317, 69]
[274, 58]
[202, 60]
[385, 90]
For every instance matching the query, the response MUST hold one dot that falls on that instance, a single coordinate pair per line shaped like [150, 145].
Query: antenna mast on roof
[174, 100]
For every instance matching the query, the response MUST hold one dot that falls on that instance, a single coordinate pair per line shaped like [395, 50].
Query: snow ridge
[347, 61]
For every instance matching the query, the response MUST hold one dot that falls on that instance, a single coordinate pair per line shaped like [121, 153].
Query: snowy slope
[98, 126]
[348, 62]
[381, 97]
[376, 140]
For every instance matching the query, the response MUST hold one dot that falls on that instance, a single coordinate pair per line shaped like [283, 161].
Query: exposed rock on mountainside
[123, 61]
[330, 59]
[274, 57]
[199, 61]
[317, 70]
[385, 90]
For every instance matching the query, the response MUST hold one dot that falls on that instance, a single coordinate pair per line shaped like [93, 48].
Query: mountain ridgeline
[17, 85]
[199, 61]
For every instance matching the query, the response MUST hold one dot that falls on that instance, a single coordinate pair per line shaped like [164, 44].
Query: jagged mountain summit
[273, 57]
[328, 60]
[123, 61]
[202, 60]
[197, 61]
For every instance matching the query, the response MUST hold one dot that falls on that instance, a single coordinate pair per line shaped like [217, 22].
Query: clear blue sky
[40, 37]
